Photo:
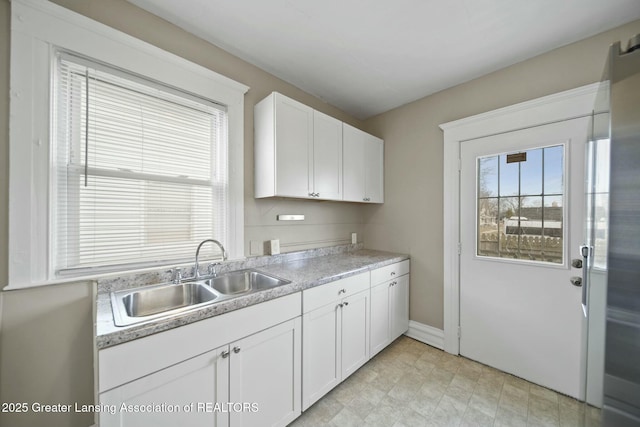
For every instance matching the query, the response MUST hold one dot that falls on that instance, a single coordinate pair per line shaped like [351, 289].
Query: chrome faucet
[224, 255]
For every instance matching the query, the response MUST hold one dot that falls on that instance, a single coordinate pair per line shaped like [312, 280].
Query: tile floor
[412, 384]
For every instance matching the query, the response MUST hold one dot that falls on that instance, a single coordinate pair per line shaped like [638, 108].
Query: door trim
[570, 104]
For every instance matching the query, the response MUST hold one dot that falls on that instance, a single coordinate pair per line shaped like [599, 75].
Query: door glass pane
[552, 229]
[553, 169]
[488, 177]
[531, 173]
[508, 176]
[488, 226]
[520, 205]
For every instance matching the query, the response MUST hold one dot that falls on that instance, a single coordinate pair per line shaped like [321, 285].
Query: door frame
[570, 104]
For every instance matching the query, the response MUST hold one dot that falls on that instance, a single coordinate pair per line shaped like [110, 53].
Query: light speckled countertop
[305, 270]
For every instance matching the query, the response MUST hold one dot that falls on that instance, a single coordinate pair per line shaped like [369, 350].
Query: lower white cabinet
[254, 380]
[265, 372]
[389, 305]
[399, 303]
[174, 396]
[380, 317]
[335, 336]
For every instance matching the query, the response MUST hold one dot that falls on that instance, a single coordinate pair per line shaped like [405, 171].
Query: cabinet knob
[339, 305]
[225, 354]
[236, 350]
[346, 303]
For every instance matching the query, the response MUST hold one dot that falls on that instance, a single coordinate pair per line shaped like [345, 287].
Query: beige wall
[411, 219]
[47, 355]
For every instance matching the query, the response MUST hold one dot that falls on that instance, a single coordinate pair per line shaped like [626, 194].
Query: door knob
[576, 263]
[576, 281]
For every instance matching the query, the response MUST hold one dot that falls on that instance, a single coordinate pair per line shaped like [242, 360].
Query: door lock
[576, 281]
[576, 263]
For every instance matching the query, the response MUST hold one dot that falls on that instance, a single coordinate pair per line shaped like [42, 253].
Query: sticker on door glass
[520, 205]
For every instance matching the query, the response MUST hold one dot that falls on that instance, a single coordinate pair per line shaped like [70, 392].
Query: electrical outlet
[275, 247]
[255, 247]
[354, 238]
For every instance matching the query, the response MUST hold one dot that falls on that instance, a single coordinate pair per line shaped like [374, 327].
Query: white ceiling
[369, 56]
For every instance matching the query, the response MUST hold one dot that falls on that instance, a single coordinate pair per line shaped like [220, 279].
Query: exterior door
[521, 210]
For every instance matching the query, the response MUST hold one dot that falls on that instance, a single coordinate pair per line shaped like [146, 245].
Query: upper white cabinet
[283, 147]
[299, 153]
[363, 166]
[327, 157]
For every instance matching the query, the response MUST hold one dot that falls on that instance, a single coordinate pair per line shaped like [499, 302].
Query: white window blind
[139, 171]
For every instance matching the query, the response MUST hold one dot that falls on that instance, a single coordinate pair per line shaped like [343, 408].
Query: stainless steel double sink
[150, 302]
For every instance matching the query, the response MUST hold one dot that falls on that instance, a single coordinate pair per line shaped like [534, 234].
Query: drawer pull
[342, 291]
[393, 273]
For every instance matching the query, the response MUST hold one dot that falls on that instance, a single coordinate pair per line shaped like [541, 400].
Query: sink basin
[132, 306]
[151, 302]
[245, 281]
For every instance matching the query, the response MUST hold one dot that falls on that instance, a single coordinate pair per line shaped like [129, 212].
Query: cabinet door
[374, 169]
[355, 332]
[327, 157]
[380, 318]
[353, 163]
[320, 352]
[363, 166]
[264, 375]
[191, 384]
[400, 307]
[294, 142]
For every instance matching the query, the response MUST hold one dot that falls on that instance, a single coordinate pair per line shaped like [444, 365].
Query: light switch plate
[354, 238]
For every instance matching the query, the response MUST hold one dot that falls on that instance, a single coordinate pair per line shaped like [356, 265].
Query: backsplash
[109, 284]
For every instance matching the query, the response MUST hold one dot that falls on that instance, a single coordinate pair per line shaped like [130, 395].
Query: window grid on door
[520, 205]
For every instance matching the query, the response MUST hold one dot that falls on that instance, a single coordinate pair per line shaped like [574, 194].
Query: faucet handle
[211, 268]
[176, 275]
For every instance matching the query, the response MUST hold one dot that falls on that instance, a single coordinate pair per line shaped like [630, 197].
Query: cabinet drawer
[334, 291]
[388, 272]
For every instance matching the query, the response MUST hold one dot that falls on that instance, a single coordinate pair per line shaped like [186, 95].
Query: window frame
[38, 29]
[542, 195]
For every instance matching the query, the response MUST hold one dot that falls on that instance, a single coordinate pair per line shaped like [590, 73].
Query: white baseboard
[426, 334]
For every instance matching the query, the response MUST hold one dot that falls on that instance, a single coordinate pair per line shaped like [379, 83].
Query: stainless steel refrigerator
[622, 350]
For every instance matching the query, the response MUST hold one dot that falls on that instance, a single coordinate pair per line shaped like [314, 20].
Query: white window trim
[37, 27]
[565, 105]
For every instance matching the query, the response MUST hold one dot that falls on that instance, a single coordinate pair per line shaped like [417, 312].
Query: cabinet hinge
[459, 332]
[459, 248]
[459, 164]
